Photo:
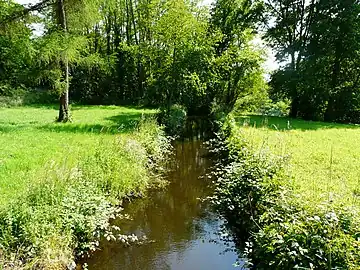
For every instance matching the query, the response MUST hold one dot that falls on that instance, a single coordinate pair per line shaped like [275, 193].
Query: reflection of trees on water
[173, 217]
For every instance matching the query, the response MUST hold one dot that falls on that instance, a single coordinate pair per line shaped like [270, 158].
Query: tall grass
[266, 206]
[323, 156]
[62, 182]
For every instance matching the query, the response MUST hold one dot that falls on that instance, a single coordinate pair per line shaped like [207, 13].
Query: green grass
[31, 142]
[60, 183]
[324, 157]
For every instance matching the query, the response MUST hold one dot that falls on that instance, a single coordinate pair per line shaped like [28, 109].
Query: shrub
[280, 108]
[12, 97]
[174, 119]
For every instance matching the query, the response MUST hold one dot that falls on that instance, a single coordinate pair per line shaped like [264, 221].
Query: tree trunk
[108, 33]
[330, 113]
[294, 110]
[64, 114]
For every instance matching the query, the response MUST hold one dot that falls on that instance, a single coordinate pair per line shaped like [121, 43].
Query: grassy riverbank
[288, 189]
[59, 182]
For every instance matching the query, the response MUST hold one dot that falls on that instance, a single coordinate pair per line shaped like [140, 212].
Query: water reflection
[181, 225]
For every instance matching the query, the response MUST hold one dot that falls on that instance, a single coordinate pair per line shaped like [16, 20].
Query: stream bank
[183, 231]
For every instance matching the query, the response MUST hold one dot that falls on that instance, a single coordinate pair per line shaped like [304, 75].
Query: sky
[269, 65]
[25, 2]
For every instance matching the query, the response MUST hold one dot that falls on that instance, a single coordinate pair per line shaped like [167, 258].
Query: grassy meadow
[31, 141]
[60, 183]
[323, 157]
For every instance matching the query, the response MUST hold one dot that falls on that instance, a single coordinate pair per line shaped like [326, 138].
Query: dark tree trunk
[330, 113]
[117, 33]
[128, 25]
[96, 38]
[108, 34]
[294, 110]
[64, 113]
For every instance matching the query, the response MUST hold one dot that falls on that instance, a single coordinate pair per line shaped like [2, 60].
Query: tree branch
[21, 14]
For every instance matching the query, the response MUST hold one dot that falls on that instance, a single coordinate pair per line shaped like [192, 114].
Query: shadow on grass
[285, 123]
[8, 128]
[116, 124]
[121, 123]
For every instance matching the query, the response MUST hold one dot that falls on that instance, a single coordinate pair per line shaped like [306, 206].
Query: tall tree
[320, 41]
[69, 17]
[64, 114]
[238, 61]
[287, 24]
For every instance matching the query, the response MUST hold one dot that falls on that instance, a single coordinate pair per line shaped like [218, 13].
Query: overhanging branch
[21, 14]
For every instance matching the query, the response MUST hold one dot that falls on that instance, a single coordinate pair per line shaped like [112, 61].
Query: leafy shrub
[174, 119]
[255, 195]
[280, 108]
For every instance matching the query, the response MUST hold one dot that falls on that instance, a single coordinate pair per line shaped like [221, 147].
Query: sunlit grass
[323, 157]
[31, 142]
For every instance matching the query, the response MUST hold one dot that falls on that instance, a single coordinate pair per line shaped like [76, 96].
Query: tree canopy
[160, 53]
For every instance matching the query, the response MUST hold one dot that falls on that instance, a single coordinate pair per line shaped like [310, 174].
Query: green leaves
[319, 41]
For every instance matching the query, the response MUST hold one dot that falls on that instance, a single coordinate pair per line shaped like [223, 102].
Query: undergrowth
[273, 227]
[65, 212]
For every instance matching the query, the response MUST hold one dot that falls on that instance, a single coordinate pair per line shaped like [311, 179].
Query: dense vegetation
[300, 212]
[156, 53]
[319, 42]
[60, 183]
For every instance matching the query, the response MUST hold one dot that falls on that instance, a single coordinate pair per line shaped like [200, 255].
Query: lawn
[32, 142]
[323, 157]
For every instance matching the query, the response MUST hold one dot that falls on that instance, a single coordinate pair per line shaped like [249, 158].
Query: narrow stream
[183, 228]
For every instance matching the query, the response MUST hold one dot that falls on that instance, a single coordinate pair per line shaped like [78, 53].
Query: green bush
[280, 108]
[12, 97]
[174, 119]
[255, 195]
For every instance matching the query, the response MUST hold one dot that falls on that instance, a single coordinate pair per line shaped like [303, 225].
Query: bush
[280, 108]
[174, 119]
[255, 195]
[12, 97]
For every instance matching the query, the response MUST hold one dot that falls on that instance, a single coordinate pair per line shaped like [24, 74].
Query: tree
[320, 41]
[238, 62]
[16, 50]
[287, 24]
[67, 15]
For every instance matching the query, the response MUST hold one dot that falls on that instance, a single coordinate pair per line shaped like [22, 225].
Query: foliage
[262, 204]
[64, 205]
[321, 39]
[16, 48]
[280, 108]
[156, 53]
[174, 119]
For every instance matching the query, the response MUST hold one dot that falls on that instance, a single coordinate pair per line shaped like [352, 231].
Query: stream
[184, 231]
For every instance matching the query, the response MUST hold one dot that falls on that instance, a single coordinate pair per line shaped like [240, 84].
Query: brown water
[183, 228]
